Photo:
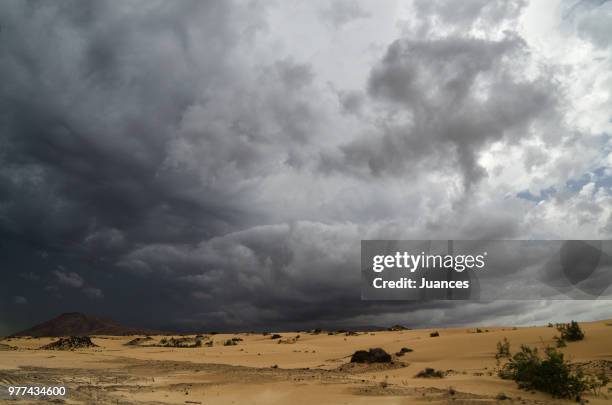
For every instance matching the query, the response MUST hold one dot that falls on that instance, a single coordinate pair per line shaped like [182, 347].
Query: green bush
[550, 373]
[559, 342]
[570, 332]
[503, 349]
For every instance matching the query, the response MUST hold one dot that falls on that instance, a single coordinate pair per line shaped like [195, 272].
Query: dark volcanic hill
[77, 324]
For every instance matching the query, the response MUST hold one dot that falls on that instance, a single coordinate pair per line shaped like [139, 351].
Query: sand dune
[313, 368]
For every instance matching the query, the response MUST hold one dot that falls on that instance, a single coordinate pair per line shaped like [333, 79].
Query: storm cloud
[214, 165]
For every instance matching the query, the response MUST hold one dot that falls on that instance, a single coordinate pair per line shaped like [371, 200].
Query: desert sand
[312, 369]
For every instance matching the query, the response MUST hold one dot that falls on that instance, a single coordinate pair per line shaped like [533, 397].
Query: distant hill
[77, 324]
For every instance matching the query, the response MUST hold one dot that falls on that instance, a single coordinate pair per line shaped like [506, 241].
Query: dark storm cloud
[459, 94]
[130, 132]
[187, 168]
[96, 95]
[90, 112]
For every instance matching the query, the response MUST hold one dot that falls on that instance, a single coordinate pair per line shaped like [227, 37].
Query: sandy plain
[312, 369]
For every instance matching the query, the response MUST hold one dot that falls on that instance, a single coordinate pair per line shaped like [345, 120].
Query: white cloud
[69, 279]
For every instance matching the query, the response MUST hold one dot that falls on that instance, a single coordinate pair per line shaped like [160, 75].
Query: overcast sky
[214, 165]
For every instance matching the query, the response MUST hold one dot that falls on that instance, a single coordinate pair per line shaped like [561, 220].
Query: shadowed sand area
[313, 368]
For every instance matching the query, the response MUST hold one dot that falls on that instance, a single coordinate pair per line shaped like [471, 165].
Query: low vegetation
[549, 373]
[403, 351]
[183, 342]
[434, 334]
[376, 355]
[289, 340]
[430, 373]
[503, 349]
[139, 341]
[70, 343]
[502, 397]
[559, 342]
[570, 332]
[232, 342]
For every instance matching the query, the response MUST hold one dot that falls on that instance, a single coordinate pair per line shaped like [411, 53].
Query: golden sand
[311, 369]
